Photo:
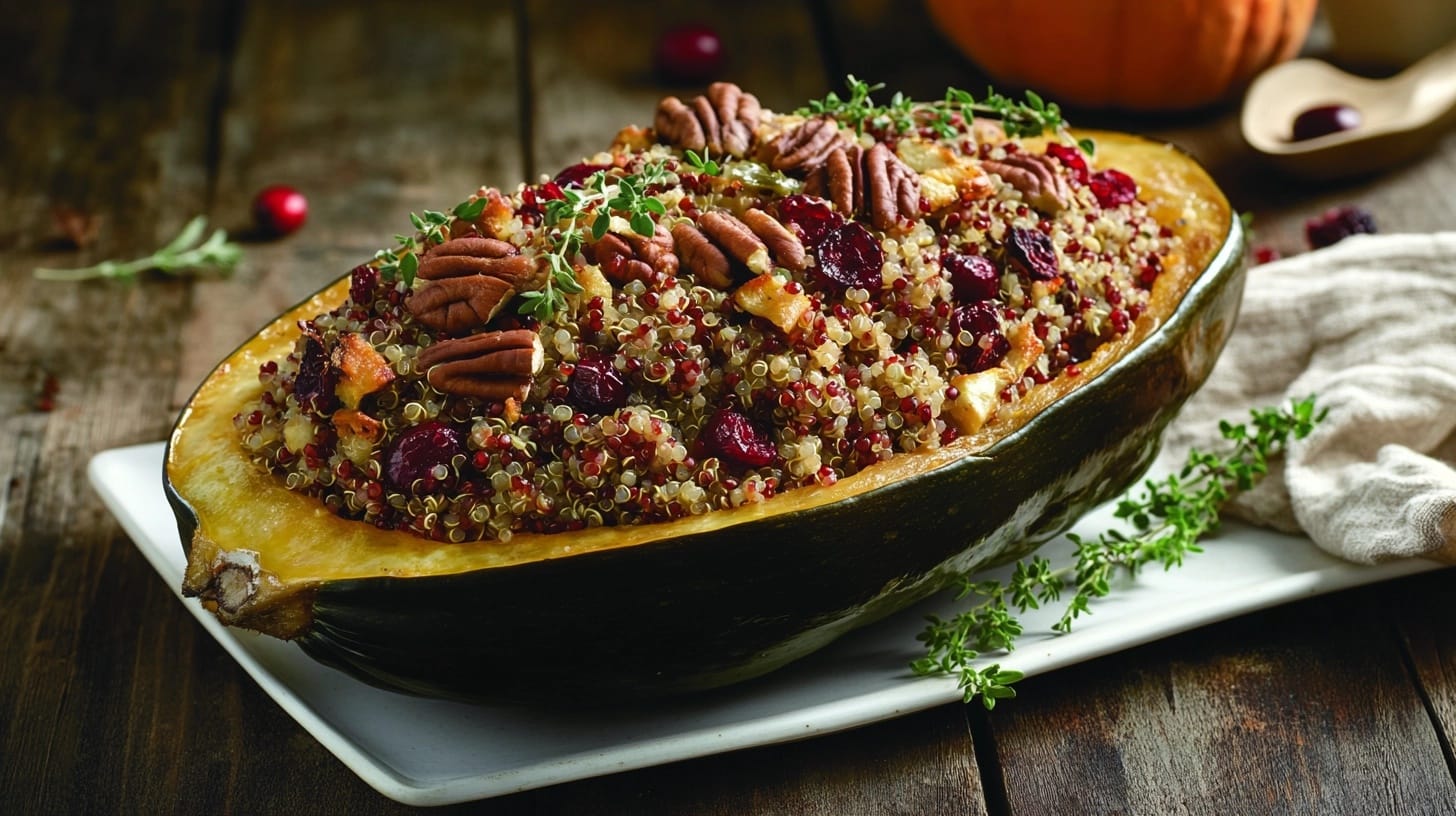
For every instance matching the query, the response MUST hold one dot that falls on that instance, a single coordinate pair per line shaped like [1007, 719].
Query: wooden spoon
[1400, 116]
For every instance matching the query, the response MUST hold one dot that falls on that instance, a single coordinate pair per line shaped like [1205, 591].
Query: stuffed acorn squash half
[706, 401]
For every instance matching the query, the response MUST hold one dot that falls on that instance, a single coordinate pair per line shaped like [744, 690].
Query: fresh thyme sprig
[588, 211]
[946, 116]
[403, 262]
[1168, 517]
[181, 255]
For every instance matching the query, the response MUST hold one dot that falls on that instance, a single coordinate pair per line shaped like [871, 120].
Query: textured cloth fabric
[1368, 327]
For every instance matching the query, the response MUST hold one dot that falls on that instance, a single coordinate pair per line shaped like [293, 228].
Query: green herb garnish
[946, 116]
[703, 164]
[588, 211]
[1168, 518]
[180, 256]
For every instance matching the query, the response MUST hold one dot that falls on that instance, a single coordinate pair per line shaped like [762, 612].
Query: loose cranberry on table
[279, 210]
[1337, 224]
[689, 53]
[1324, 120]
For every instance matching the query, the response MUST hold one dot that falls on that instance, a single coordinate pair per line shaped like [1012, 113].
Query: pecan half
[470, 279]
[785, 247]
[806, 146]
[634, 257]
[873, 183]
[737, 240]
[721, 122]
[1037, 177]
[476, 256]
[700, 255]
[459, 305]
[492, 366]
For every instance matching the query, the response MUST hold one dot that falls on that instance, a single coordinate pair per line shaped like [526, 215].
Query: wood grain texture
[1274, 713]
[75, 596]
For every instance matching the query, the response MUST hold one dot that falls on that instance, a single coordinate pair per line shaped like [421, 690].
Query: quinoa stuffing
[729, 305]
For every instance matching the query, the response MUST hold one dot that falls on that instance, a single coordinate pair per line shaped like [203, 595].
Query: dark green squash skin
[721, 606]
[725, 605]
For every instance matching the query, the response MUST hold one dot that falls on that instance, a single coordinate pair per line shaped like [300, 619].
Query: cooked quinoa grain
[644, 363]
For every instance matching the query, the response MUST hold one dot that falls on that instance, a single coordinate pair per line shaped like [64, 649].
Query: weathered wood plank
[1422, 614]
[1303, 709]
[104, 112]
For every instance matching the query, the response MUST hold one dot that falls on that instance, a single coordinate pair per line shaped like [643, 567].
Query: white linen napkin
[1368, 327]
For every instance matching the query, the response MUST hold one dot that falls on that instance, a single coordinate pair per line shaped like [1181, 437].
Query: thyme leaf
[947, 117]
[1167, 519]
[585, 215]
[186, 253]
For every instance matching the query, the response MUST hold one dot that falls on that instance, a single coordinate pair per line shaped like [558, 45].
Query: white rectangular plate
[429, 752]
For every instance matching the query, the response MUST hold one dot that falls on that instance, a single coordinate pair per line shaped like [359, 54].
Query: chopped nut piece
[362, 370]
[353, 423]
[1025, 349]
[767, 296]
[593, 285]
[298, 431]
[977, 398]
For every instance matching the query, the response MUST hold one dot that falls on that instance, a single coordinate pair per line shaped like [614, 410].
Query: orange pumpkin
[1149, 55]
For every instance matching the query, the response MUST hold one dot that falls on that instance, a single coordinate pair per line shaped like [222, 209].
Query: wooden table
[145, 113]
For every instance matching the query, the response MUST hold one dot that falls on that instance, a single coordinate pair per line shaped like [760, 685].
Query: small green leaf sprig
[186, 253]
[588, 211]
[1168, 518]
[947, 116]
[404, 262]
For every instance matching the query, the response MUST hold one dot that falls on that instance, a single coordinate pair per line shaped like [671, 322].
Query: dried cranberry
[1113, 188]
[851, 256]
[973, 277]
[1324, 120]
[689, 53]
[1030, 252]
[733, 438]
[988, 346]
[314, 384]
[977, 318]
[418, 451]
[1071, 158]
[279, 210]
[577, 174]
[363, 280]
[809, 217]
[1336, 225]
[596, 386]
